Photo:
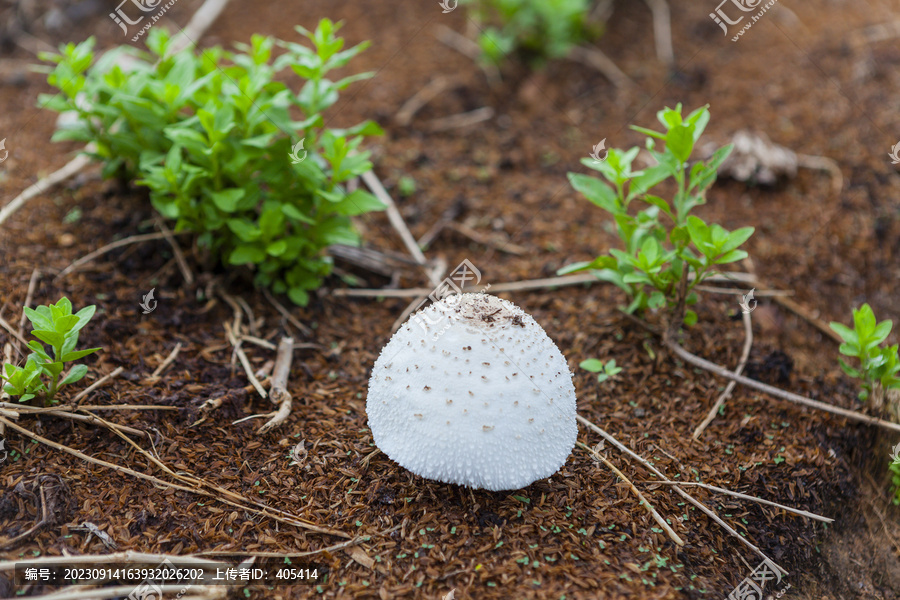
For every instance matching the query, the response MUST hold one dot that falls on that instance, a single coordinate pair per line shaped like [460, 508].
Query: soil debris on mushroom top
[472, 391]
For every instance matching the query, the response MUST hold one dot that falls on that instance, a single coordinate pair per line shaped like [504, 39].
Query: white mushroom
[472, 391]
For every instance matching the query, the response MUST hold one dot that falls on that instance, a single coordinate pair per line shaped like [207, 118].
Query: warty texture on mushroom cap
[472, 391]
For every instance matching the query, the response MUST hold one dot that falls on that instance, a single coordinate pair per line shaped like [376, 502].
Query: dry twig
[487, 240]
[680, 491]
[458, 121]
[71, 168]
[662, 31]
[97, 384]
[774, 391]
[279, 393]
[12, 332]
[745, 354]
[29, 295]
[593, 57]
[469, 49]
[168, 361]
[286, 314]
[714, 488]
[396, 219]
[196, 485]
[644, 502]
[245, 362]
[517, 286]
[176, 249]
[134, 239]
[429, 92]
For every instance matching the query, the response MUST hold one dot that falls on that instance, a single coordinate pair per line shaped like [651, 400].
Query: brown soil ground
[805, 76]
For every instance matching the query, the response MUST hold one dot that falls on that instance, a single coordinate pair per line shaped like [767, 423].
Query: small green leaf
[690, 318]
[592, 364]
[70, 356]
[227, 200]
[75, 374]
[246, 254]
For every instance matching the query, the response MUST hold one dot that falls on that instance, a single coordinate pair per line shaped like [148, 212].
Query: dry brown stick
[168, 361]
[236, 309]
[737, 292]
[593, 57]
[714, 488]
[396, 219]
[134, 239]
[257, 341]
[804, 314]
[429, 92]
[95, 420]
[286, 314]
[823, 163]
[516, 286]
[176, 249]
[102, 381]
[279, 393]
[245, 362]
[643, 501]
[774, 391]
[469, 49]
[662, 31]
[242, 503]
[486, 240]
[448, 216]
[9, 328]
[680, 491]
[200, 21]
[439, 268]
[531, 284]
[36, 409]
[204, 487]
[460, 120]
[42, 185]
[29, 295]
[745, 354]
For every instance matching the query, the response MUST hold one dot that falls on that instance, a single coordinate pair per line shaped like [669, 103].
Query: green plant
[667, 251]
[878, 366]
[604, 371]
[57, 326]
[536, 30]
[406, 185]
[211, 135]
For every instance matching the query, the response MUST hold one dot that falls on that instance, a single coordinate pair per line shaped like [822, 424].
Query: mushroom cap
[472, 391]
